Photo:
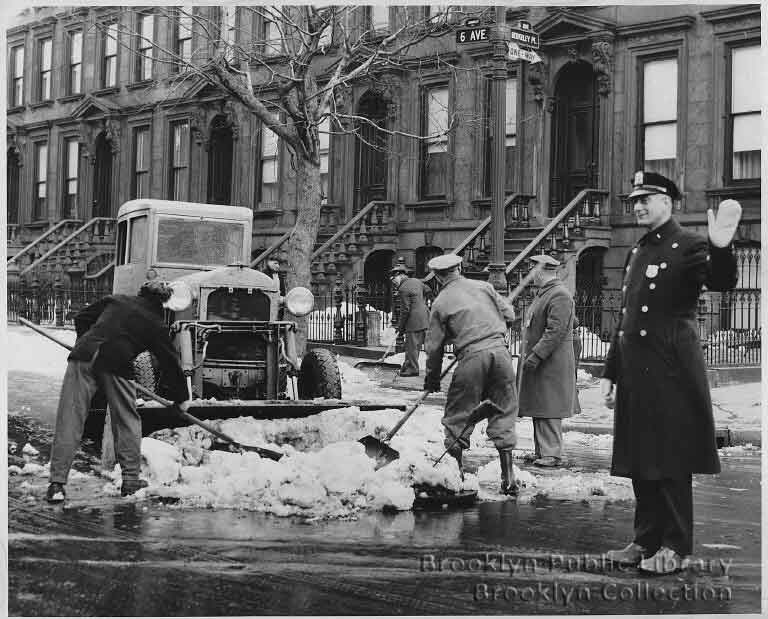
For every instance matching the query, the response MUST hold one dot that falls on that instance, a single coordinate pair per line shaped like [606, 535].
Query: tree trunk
[301, 243]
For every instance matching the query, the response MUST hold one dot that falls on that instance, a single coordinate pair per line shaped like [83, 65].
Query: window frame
[372, 24]
[140, 40]
[268, 48]
[42, 72]
[260, 204]
[512, 183]
[173, 169]
[729, 116]
[138, 174]
[642, 62]
[425, 144]
[40, 212]
[106, 28]
[71, 48]
[13, 78]
[182, 65]
[70, 210]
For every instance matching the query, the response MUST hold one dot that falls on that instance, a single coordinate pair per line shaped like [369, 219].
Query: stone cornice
[684, 22]
[730, 13]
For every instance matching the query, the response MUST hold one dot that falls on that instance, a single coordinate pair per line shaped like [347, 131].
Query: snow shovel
[484, 410]
[379, 365]
[378, 449]
[262, 451]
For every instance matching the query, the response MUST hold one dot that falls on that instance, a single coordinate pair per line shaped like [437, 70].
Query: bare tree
[322, 53]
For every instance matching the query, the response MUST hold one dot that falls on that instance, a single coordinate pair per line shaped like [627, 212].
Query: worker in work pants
[80, 385]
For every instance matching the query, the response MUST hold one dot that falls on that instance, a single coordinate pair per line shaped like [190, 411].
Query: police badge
[652, 271]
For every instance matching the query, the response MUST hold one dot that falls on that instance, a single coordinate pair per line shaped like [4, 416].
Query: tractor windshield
[182, 240]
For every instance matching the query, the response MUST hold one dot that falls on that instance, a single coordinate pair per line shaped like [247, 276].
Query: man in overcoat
[414, 317]
[655, 374]
[547, 374]
[110, 334]
[471, 315]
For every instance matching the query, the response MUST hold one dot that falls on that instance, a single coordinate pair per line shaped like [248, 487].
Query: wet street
[145, 558]
[105, 556]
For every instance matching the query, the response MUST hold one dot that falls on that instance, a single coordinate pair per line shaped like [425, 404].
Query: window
[229, 29]
[137, 247]
[270, 150]
[74, 85]
[510, 136]
[16, 81]
[184, 20]
[193, 241]
[326, 38]
[141, 159]
[13, 179]
[179, 177]
[109, 67]
[745, 127]
[379, 20]
[273, 39]
[325, 143]
[659, 116]
[71, 168]
[435, 149]
[39, 208]
[122, 236]
[144, 47]
[46, 58]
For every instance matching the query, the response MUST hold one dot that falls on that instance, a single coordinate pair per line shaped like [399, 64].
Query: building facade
[98, 114]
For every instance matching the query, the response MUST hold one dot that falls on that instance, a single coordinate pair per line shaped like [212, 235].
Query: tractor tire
[145, 371]
[319, 376]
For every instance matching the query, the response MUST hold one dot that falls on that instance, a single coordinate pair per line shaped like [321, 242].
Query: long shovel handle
[274, 455]
[416, 404]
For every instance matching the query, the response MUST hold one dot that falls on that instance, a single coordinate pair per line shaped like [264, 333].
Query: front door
[102, 178]
[220, 163]
[574, 135]
[371, 165]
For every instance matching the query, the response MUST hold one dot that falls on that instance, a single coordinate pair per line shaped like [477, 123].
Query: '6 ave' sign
[472, 35]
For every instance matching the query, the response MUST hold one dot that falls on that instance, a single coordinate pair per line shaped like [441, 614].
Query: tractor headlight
[181, 298]
[299, 301]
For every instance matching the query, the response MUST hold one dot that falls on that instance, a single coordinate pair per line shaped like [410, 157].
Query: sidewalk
[737, 407]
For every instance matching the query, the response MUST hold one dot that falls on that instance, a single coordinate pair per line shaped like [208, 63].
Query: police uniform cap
[547, 262]
[646, 183]
[400, 268]
[444, 262]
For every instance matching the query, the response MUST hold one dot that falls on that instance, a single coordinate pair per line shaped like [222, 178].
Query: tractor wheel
[319, 376]
[145, 371]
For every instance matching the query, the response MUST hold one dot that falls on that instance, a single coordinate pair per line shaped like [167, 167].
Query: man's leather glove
[532, 361]
[722, 227]
[431, 384]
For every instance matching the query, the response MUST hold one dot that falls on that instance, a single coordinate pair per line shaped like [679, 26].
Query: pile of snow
[591, 345]
[592, 442]
[738, 450]
[400, 358]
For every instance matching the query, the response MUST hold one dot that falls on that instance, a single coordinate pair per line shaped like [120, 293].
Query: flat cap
[646, 183]
[444, 262]
[547, 262]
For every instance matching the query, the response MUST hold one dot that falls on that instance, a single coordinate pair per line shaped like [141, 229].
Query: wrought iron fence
[353, 313]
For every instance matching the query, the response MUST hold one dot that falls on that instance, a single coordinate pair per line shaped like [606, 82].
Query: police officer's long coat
[549, 391]
[663, 425]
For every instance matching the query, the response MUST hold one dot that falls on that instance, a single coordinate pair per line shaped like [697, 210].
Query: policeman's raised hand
[608, 391]
[722, 227]
[531, 362]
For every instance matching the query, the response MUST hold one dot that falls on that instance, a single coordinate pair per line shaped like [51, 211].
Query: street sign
[514, 52]
[472, 35]
[523, 36]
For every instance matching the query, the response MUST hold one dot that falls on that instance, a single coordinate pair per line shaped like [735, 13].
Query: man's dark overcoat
[414, 315]
[663, 424]
[549, 391]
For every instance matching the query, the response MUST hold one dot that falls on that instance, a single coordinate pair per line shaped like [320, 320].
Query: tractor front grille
[236, 346]
[239, 304]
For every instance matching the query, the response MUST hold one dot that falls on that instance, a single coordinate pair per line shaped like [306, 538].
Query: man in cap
[110, 334]
[655, 374]
[414, 317]
[547, 375]
[471, 315]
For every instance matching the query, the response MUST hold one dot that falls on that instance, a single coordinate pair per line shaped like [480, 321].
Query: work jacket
[414, 315]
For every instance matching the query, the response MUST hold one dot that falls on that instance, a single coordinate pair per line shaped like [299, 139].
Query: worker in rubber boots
[655, 374]
[414, 316]
[110, 334]
[472, 316]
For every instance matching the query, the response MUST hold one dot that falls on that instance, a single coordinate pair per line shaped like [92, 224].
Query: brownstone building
[97, 116]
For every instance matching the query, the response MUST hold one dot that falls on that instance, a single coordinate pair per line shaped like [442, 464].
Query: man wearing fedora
[655, 375]
[472, 316]
[414, 316]
[547, 372]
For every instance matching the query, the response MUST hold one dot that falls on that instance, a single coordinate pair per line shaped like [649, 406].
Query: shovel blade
[219, 445]
[379, 451]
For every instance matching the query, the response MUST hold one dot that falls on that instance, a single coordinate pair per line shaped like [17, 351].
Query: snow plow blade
[154, 416]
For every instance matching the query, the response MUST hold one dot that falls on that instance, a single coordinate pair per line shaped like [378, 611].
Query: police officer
[472, 316]
[547, 376]
[655, 373]
[414, 316]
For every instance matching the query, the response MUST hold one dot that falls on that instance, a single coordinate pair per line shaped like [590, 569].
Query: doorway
[371, 164]
[376, 275]
[590, 282]
[574, 162]
[220, 162]
[102, 178]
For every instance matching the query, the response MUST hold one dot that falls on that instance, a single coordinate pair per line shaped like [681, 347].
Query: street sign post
[472, 35]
